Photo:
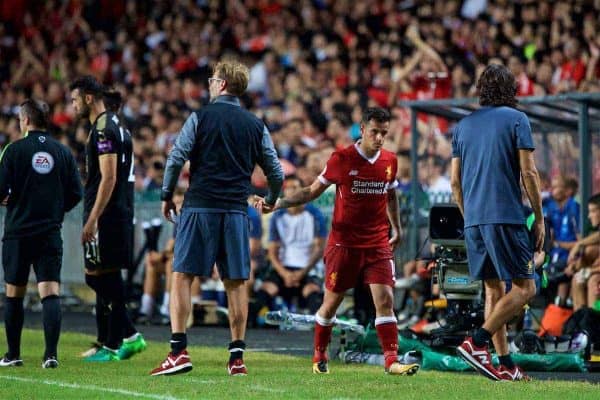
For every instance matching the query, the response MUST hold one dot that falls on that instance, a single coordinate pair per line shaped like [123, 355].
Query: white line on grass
[267, 389]
[89, 387]
[270, 349]
[255, 387]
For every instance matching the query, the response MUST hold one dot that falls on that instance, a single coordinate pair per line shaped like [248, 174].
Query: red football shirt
[360, 211]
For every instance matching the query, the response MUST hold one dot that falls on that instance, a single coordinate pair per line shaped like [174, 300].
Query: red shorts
[344, 266]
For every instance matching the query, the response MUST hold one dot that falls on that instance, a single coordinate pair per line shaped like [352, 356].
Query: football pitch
[271, 376]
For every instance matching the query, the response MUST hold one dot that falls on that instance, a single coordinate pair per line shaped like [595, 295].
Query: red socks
[323, 328]
[387, 332]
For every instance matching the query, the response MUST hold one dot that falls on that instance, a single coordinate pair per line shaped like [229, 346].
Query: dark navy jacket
[223, 143]
[42, 182]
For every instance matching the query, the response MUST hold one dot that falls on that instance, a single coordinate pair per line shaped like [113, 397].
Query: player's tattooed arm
[303, 196]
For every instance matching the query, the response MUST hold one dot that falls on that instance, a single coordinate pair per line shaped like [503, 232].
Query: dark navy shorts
[43, 251]
[499, 251]
[205, 237]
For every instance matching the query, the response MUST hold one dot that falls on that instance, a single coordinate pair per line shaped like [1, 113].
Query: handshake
[264, 207]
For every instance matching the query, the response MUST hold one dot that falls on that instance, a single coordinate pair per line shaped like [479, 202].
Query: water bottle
[287, 320]
[357, 357]
[527, 319]
[275, 317]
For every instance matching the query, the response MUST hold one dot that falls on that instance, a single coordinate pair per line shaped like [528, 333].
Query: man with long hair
[491, 150]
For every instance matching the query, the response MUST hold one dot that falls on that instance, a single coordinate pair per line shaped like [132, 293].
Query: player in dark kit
[360, 249]
[39, 175]
[108, 216]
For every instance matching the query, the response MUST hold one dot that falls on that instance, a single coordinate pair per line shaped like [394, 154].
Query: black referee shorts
[43, 251]
[113, 249]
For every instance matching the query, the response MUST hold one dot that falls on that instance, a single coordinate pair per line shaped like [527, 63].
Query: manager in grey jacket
[223, 143]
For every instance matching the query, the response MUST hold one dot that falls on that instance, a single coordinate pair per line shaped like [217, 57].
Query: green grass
[270, 377]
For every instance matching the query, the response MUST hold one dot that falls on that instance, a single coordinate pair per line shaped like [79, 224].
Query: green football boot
[130, 347]
[103, 355]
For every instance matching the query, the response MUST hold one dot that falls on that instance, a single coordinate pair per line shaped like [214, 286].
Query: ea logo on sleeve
[42, 162]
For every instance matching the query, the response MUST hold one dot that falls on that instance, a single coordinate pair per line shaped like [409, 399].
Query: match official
[40, 177]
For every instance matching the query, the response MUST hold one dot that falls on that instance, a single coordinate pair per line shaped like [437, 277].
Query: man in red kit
[360, 248]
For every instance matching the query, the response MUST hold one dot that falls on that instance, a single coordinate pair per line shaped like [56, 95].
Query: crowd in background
[315, 65]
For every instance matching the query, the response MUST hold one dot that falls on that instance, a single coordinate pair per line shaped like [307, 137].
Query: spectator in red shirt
[572, 71]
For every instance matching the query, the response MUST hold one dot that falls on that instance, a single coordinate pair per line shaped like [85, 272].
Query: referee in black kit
[39, 182]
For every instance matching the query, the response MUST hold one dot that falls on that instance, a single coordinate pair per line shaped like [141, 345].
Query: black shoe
[50, 362]
[7, 361]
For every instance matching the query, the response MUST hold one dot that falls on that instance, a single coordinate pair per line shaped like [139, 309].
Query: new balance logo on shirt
[353, 172]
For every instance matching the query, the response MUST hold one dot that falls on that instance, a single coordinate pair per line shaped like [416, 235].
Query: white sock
[196, 300]
[147, 305]
[164, 308]
[132, 337]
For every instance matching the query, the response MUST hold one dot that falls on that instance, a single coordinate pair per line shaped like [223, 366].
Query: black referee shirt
[40, 177]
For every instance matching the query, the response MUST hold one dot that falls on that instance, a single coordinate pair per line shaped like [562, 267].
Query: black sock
[178, 343]
[119, 323]
[236, 350]
[102, 313]
[13, 322]
[118, 285]
[51, 315]
[481, 337]
[102, 308]
[313, 302]
[506, 361]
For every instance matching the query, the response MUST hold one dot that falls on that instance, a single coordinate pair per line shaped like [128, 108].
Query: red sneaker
[515, 374]
[237, 368]
[174, 365]
[478, 358]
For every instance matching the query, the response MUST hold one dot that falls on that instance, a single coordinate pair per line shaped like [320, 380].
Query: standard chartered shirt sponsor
[369, 187]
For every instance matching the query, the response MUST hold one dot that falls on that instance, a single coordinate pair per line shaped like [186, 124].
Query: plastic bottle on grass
[527, 319]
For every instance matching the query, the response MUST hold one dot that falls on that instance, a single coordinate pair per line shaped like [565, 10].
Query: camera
[451, 272]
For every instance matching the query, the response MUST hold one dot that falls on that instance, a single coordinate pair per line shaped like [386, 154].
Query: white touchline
[261, 388]
[269, 349]
[89, 387]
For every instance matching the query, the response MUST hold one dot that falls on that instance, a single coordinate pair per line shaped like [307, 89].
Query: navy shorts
[43, 251]
[113, 248]
[499, 251]
[205, 237]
